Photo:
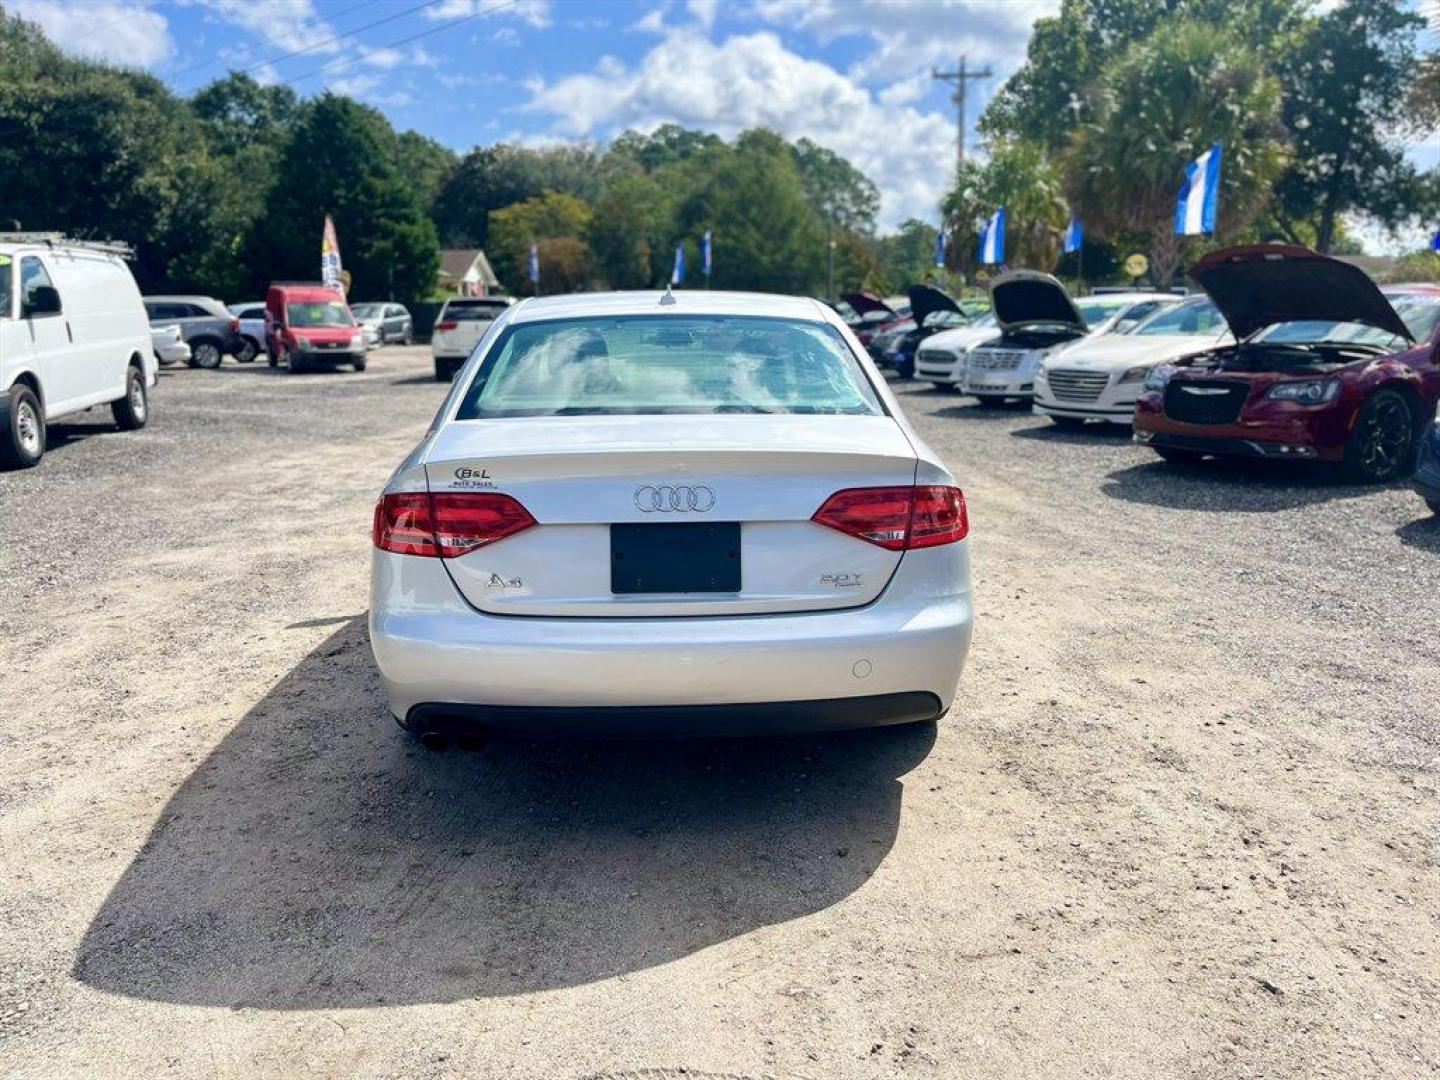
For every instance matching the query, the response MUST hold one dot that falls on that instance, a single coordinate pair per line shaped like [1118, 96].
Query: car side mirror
[42, 300]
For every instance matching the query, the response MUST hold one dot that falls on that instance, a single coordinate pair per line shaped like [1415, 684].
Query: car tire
[444, 372]
[133, 410]
[22, 428]
[359, 365]
[206, 354]
[1070, 423]
[248, 351]
[1381, 445]
[1179, 457]
[297, 364]
[408, 338]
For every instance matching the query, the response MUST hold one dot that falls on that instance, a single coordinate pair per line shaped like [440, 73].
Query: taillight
[445, 525]
[898, 518]
[447, 326]
[234, 326]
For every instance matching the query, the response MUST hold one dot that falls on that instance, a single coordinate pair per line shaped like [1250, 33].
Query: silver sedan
[691, 514]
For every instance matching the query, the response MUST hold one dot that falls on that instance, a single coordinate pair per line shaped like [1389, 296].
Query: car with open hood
[1037, 318]
[872, 315]
[1325, 367]
[941, 358]
[932, 310]
[1100, 378]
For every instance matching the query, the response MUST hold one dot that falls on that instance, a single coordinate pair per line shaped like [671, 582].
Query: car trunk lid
[579, 476]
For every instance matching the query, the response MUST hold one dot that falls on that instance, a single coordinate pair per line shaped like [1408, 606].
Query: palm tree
[1156, 108]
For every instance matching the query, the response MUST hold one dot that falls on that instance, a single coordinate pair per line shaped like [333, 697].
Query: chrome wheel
[27, 429]
[1386, 435]
[248, 351]
[207, 355]
[138, 404]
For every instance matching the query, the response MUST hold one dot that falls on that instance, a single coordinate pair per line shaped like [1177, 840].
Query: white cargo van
[73, 334]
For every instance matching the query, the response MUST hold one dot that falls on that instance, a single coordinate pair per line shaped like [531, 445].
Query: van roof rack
[55, 239]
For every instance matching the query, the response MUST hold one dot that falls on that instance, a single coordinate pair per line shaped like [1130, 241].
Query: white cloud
[652, 22]
[285, 25]
[753, 81]
[534, 12]
[121, 32]
[912, 35]
[704, 11]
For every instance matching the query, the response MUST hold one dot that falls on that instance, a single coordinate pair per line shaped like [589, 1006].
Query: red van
[309, 325]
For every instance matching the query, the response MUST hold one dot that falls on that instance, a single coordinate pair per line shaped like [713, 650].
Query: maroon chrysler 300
[1326, 367]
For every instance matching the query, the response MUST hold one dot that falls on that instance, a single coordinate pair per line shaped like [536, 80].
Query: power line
[348, 34]
[344, 61]
[212, 61]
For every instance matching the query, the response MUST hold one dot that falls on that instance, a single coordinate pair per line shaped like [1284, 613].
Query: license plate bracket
[678, 557]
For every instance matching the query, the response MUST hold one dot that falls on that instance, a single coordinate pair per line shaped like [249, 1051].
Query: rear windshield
[645, 365]
[1095, 312]
[319, 313]
[368, 311]
[473, 310]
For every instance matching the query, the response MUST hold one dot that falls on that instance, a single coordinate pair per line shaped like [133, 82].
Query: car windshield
[1198, 317]
[473, 310]
[319, 313]
[1323, 331]
[944, 318]
[1419, 311]
[645, 365]
[1095, 312]
[367, 311]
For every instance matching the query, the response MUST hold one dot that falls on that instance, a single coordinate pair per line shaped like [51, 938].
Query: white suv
[73, 334]
[461, 324]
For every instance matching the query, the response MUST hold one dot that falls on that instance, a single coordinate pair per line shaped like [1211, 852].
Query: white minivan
[73, 334]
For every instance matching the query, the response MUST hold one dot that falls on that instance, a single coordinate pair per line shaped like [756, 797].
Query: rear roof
[598, 305]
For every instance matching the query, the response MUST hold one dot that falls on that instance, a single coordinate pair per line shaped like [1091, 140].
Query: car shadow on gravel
[1092, 434]
[975, 411]
[320, 858]
[1231, 485]
[1423, 533]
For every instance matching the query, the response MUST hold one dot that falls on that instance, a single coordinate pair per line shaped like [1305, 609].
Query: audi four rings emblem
[666, 499]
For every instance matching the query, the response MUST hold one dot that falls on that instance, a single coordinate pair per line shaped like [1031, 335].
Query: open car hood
[1027, 297]
[1263, 284]
[864, 303]
[925, 300]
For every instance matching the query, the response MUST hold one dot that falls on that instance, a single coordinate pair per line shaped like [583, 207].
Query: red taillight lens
[447, 326]
[897, 518]
[445, 525]
[234, 326]
[939, 517]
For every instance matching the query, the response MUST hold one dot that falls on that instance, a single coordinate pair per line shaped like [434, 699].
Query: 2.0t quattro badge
[666, 499]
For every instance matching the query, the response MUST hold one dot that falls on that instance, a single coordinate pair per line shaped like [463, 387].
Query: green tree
[1346, 77]
[633, 226]
[909, 253]
[839, 192]
[765, 232]
[1158, 106]
[557, 224]
[492, 177]
[103, 152]
[426, 163]
[1021, 177]
[669, 144]
[336, 163]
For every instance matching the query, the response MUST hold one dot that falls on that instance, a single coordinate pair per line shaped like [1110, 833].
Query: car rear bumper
[697, 675]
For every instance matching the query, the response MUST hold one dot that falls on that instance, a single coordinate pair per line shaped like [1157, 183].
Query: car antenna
[668, 298]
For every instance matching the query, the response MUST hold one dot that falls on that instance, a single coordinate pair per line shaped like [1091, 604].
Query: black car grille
[1081, 386]
[1205, 401]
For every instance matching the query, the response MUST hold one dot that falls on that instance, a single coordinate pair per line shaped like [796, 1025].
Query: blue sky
[853, 75]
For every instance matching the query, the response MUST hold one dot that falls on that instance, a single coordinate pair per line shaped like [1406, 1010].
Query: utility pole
[960, 78]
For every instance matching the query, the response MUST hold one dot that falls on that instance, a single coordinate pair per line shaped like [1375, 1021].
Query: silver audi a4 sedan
[693, 514]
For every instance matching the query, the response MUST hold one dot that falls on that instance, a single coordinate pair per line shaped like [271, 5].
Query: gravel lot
[1182, 821]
